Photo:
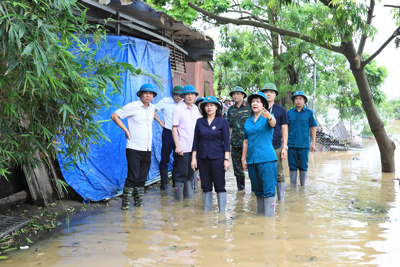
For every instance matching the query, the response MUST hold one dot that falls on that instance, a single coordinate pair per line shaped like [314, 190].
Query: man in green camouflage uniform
[237, 116]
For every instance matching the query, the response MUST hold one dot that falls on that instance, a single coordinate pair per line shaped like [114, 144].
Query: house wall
[199, 74]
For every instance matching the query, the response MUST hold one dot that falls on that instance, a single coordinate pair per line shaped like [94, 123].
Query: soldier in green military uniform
[237, 116]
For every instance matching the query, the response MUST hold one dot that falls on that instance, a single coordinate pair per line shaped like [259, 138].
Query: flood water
[347, 215]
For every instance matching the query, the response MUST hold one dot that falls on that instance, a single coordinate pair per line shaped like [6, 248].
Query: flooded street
[347, 215]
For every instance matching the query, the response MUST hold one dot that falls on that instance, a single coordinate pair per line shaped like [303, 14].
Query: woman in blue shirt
[258, 155]
[211, 152]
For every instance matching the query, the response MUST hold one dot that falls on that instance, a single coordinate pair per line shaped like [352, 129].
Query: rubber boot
[303, 178]
[173, 175]
[126, 197]
[188, 189]
[195, 184]
[207, 200]
[269, 206]
[138, 198]
[280, 189]
[164, 179]
[260, 205]
[293, 177]
[178, 190]
[240, 183]
[221, 201]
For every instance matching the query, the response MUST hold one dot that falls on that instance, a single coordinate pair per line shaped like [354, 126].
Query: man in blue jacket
[302, 125]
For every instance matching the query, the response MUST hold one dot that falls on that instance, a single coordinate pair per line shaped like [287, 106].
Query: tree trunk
[385, 144]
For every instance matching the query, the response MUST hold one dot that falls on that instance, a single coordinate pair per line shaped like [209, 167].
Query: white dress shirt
[140, 124]
[167, 106]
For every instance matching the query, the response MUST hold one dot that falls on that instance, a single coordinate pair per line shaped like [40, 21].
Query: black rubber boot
[240, 183]
[164, 179]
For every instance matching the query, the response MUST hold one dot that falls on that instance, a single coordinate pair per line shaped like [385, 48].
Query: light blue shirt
[167, 106]
[259, 135]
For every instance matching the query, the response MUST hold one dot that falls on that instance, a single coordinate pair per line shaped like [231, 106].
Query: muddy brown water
[347, 215]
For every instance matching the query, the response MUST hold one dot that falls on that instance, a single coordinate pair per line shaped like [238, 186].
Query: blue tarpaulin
[104, 172]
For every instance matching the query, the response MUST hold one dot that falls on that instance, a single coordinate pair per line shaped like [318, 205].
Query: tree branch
[368, 60]
[283, 32]
[369, 20]
[247, 12]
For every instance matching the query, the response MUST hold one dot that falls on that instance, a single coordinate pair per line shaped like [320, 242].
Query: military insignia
[213, 127]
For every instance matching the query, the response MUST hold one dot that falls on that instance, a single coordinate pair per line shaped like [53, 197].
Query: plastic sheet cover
[105, 170]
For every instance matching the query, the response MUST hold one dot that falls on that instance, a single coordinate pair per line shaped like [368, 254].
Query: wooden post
[39, 183]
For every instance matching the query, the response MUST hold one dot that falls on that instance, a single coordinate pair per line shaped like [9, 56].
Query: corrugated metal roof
[198, 46]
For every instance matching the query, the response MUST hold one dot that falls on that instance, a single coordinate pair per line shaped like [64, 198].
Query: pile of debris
[336, 139]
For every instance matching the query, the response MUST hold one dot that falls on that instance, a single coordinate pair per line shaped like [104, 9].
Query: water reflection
[347, 214]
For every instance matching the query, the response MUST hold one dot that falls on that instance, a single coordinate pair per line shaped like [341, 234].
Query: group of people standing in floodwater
[257, 134]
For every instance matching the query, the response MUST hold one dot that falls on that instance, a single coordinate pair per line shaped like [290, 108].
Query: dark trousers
[183, 169]
[212, 172]
[168, 145]
[138, 167]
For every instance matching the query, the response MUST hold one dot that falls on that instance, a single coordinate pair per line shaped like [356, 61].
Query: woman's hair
[218, 113]
[265, 104]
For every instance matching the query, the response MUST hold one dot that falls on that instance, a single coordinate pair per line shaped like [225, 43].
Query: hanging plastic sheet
[104, 172]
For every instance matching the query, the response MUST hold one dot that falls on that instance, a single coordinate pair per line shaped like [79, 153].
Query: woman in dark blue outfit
[258, 154]
[211, 152]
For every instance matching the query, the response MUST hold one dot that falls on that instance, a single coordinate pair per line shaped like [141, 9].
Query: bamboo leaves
[51, 84]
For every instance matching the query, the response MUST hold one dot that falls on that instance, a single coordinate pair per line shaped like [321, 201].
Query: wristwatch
[286, 147]
[226, 159]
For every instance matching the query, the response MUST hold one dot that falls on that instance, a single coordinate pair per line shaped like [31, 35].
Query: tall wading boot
[178, 191]
[173, 177]
[138, 196]
[164, 179]
[221, 201]
[195, 184]
[126, 197]
[188, 189]
[260, 205]
[293, 177]
[303, 178]
[240, 183]
[269, 206]
[207, 200]
[280, 189]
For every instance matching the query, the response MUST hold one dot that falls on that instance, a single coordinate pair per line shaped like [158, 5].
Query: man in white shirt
[184, 120]
[139, 115]
[167, 106]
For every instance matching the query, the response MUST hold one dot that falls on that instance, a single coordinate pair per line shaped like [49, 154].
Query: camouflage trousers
[236, 154]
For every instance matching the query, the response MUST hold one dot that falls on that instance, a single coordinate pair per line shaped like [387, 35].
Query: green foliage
[391, 109]
[348, 99]
[51, 87]
[179, 9]
[242, 63]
